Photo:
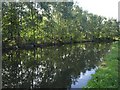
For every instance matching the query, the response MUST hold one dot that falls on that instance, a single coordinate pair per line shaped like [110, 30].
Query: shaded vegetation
[53, 22]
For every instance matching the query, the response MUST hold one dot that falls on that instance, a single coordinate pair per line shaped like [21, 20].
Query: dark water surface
[67, 66]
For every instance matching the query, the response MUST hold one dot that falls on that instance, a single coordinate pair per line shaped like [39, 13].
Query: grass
[107, 74]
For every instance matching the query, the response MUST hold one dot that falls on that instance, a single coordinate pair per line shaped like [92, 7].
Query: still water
[67, 66]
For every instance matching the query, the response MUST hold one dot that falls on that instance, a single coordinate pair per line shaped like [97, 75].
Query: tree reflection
[51, 67]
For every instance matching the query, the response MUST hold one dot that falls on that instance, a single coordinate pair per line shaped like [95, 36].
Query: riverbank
[42, 45]
[107, 74]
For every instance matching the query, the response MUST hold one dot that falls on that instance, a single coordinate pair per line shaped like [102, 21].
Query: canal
[66, 66]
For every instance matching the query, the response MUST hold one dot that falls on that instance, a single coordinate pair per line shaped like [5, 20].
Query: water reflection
[51, 67]
[83, 79]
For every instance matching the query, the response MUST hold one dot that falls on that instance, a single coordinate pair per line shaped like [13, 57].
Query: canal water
[67, 66]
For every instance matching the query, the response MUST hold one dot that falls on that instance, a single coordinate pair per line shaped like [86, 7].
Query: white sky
[107, 8]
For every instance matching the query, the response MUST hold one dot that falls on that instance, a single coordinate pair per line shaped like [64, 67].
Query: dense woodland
[29, 23]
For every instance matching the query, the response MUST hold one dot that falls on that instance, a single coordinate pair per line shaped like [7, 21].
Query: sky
[107, 8]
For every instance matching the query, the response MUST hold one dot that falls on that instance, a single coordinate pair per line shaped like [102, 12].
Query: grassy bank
[107, 74]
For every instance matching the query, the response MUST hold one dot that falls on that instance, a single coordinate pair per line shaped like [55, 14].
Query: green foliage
[107, 74]
[28, 22]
